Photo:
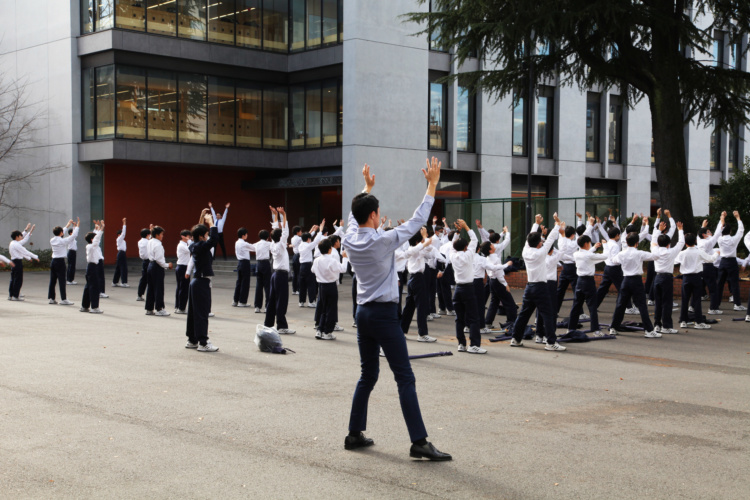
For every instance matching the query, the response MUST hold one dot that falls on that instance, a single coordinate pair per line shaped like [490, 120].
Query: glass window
[298, 24]
[191, 19]
[297, 132]
[248, 23]
[615, 130]
[735, 56]
[734, 149]
[87, 16]
[275, 25]
[717, 51]
[313, 115]
[105, 14]
[249, 109]
[519, 128]
[435, 34]
[313, 23]
[275, 116]
[220, 111]
[89, 105]
[105, 102]
[438, 116]
[131, 15]
[162, 106]
[592, 128]
[192, 108]
[330, 21]
[161, 17]
[131, 103]
[544, 122]
[341, 113]
[715, 162]
[341, 21]
[465, 120]
[221, 22]
[330, 113]
[96, 188]
[602, 196]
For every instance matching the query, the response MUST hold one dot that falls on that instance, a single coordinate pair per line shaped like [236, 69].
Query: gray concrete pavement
[113, 406]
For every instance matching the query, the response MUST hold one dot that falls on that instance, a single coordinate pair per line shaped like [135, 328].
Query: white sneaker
[597, 333]
[632, 310]
[442, 311]
[209, 347]
[337, 328]
[96, 311]
[514, 343]
[263, 310]
[257, 310]
[295, 293]
[382, 354]
[669, 330]
[190, 345]
[747, 318]
[731, 299]
[180, 311]
[715, 311]
[702, 326]
[492, 327]
[429, 317]
[211, 315]
[115, 285]
[71, 282]
[739, 308]
[328, 336]
[539, 340]
[52, 301]
[163, 312]
[16, 299]
[705, 298]
[461, 348]
[426, 338]
[286, 331]
[354, 324]
[84, 309]
[302, 304]
[234, 304]
[584, 316]
[66, 302]
[242, 305]
[451, 313]
[312, 305]
[690, 309]
[485, 330]
[125, 285]
[103, 296]
[318, 334]
[612, 331]
[650, 303]
[476, 350]
[555, 347]
[683, 324]
[436, 316]
[652, 335]
[140, 299]
[657, 328]
[149, 313]
[675, 304]
[466, 329]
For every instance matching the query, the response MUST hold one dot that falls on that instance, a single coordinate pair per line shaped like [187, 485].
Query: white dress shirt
[156, 252]
[631, 259]
[497, 271]
[567, 247]
[242, 249]
[433, 255]
[306, 249]
[220, 222]
[93, 250]
[487, 265]
[747, 241]
[143, 248]
[552, 261]
[278, 250]
[501, 245]
[73, 245]
[484, 234]
[183, 253]
[18, 251]
[296, 240]
[664, 262]
[586, 261]
[463, 261]
[728, 244]
[611, 249]
[401, 258]
[327, 268]
[60, 245]
[262, 249]
[5, 259]
[121, 245]
[415, 258]
[536, 258]
[691, 260]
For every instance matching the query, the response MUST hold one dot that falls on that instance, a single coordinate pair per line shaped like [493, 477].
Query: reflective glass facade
[544, 122]
[592, 127]
[614, 130]
[519, 128]
[465, 121]
[438, 116]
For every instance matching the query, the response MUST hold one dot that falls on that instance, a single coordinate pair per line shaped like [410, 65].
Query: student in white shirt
[552, 263]
[6, 261]
[536, 294]
[327, 269]
[121, 267]
[279, 298]
[335, 241]
[220, 220]
[433, 258]
[296, 240]
[664, 281]
[416, 296]
[707, 243]
[59, 244]
[263, 271]
[156, 267]
[72, 253]
[90, 300]
[308, 288]
[498, 289]
[446, 280]
[691, 262]
[612, 274]
[462, 258]
[18, 253]
[728, 270]
[585, 291]
[242, 250]
[143, 254]
[182, 290]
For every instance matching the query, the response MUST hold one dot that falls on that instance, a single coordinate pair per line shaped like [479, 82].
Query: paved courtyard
[113, 406]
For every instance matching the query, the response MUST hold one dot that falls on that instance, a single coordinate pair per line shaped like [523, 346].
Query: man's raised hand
[679, 226]
[736, 215]
[369, 179]
[432, 173]
[557, 219]
[538, 218]
[662, 226]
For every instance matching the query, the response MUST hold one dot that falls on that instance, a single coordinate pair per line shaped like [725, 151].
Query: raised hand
[479, 223]
[598, 244]
[736, 215]
[209, 204]
[705, 223]
[423, 232]
[538, 218]
[432, 174]
[434, 220]
[557, 219]
[667, 214]
[658, 213]
[124, 221]
[226, 206]
[662, 226]
[505, 229]
[369, 179]
[679, 226]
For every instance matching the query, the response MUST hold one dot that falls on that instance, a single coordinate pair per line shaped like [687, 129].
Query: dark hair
[306, 237]
[632, 239]
[438, 227]
[630, 228]
[57, 231]
[156, 231]
[484, 248]
[430, 232]
[198, 231]
[494, 237]
[241, 232]
[70, 231]
[15, 234]
[363, 205]
[89, 237]
[185, 232]
[702, 232]
[295, 230]
[119, 232]
[690, 239]
[451, 235]
[334, 238]
[569, 231]
[145, 232]
[533, 239]
[263, 234]
[582, 240]
[460, 245]
[663, 240]
[726, 230]
[276, 235]
[325, 246]
[415, 240]
[614, 232]
[491, 231]
[580, 230]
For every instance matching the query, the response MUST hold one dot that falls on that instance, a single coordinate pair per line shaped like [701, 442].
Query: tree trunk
[669, 152]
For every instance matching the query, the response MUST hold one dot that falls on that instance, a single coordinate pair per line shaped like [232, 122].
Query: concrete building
[157, 107]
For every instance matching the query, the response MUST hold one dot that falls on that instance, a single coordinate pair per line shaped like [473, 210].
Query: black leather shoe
[428, 451]
[354, 442]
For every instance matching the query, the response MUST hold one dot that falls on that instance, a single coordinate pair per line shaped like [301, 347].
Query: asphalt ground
[114, 406]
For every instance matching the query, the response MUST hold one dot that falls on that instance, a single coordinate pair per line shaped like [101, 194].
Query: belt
[465, 284]
[281, 270]
[666, 274]
[263, 260]
[58, 258]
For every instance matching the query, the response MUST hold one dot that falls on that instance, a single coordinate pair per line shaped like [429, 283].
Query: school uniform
[631, 259]
[710, 271]
[552, 262]
[403, 276]
[432, 259]
[307, 284]
[318, 310]
[121, 267]
[650, 271]
[18, 253]
[500, 295]
[278, 299]
[327, 269]
[156, 267]
[568, 276]
[464, 296]
[664, 281]
[444, 283]
[143, 254]
[479, 288]
[691, 261]
[263, 272]
[296, 240]
[94, 255]
[242, 251]
[728, 269]
[612, 274]
[72, 255]
[585, 291]
[199, 303]
[182, 290]
[57, 269]
[220, 228]
[416, 296]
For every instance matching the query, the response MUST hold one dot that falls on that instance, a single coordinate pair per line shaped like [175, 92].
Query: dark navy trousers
[480, 298]
[663, 295]
[612, 276]
[710, 273]
[91, 289]
[263, 277]
[632, 289]
[692, 290]
[199, 305]
[585, 291]
[568, 277]
[57, 275]
[465, 305]
[71, 265]
[444, 288]
[501, 295]
[542, 327]
[278, 301]
[650, 276]
[242, 286]
[728, 271]
[295, 272]
[143, 283]
[121, 268]
[155, 291]
[16, 278]
[416, 299]
[536, 296]
[182, 290]
[328, 303]
[308, 286]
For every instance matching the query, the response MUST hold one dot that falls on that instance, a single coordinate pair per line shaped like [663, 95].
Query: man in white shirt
[279, 297]
[728, 270]
[91, 294]
[242, 250]
[664, 281]
[585, 291]
[220, 220]
[416, 295]
[295, 241]
[691, 262]
[72, 253]
[121, 267]
[156, 267]
[462, 257]
[747, 245]
[500, 293]
[327, 269]
[263, 271]
[308, 288]
[59, 245]
[612, 274]
[707, 243]
[143, 254]
[536, 294]
[487, 261]
[182, 290]
[650, 272]
[18, 253]
[444, 282]
[433, 258]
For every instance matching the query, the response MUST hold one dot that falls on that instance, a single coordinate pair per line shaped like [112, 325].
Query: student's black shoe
[354, 442]
[428, 451]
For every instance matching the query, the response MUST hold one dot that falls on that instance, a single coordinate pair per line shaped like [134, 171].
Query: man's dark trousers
[465, 305]
[16, 278]
[307, 283]
[568, 277]
[242, 287]
[278, 300]
[71, 265]
[295, 272]
[57, 274]
[223, 247]
[663, 293]
[182, 290]
[728, 271]
[328, 301]
[692, 289]
[501, 295]
[542, 327]
[650, 276]
[143, 283]
[91, 289]
[378, 326]
[121, 268]
[263, 276]
[430, 276]
[612, 276]
[100, 270]
[199, 305]
[416, 299]
[155, 293]
[444, 288]
[480, 300]
[536, 296]
[632, 288]
[585, 292]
